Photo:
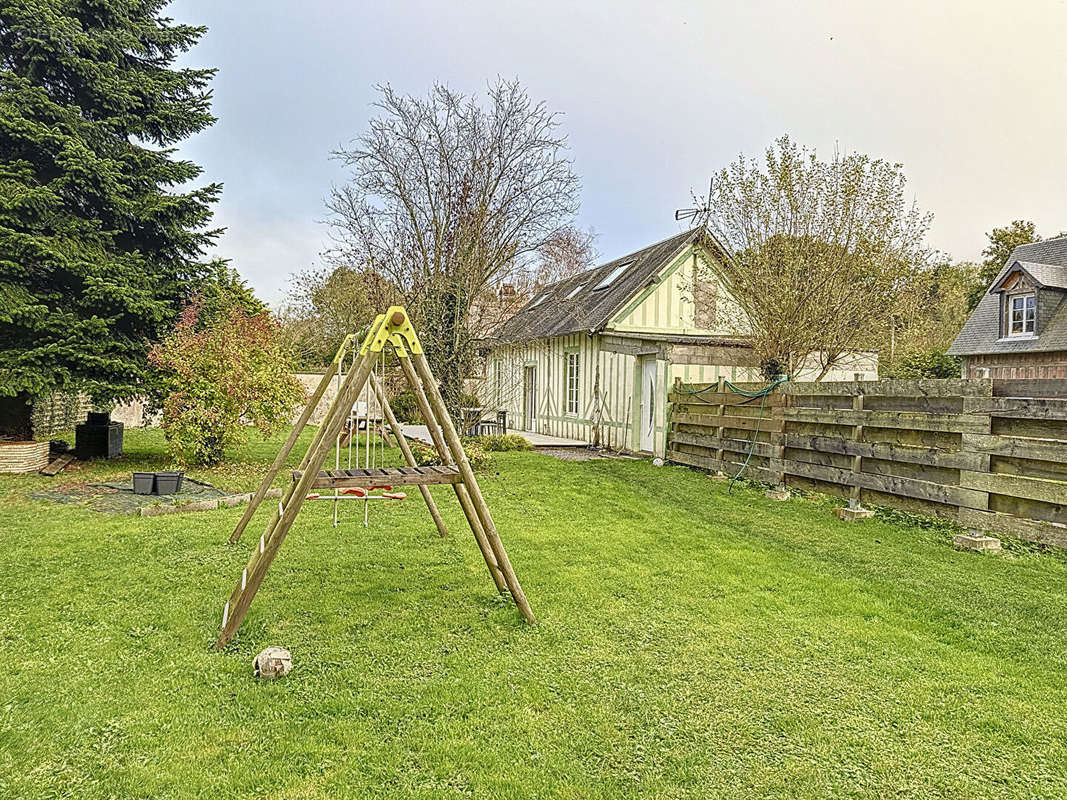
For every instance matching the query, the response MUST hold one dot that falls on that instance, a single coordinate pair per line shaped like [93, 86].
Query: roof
[1046, 263]
[554, 311]
[1048, 276]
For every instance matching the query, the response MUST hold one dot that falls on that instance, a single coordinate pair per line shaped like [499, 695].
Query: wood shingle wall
[990, 454]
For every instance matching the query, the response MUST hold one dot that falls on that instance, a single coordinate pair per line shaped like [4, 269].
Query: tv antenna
[701, 210]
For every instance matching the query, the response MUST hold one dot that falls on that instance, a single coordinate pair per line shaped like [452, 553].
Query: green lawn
[690, 644]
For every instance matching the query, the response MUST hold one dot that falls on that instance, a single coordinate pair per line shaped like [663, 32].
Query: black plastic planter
[144, 482]
[169, 482]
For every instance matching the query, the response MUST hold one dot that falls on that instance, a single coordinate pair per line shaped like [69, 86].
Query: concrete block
[718, 476]
[853, 514]
[273, 494]
[200, 505]
[235, 499]
[976, 541]
[777, 494]
[157, 511]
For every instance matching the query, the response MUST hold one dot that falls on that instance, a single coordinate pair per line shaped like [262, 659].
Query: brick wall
[1016, 366]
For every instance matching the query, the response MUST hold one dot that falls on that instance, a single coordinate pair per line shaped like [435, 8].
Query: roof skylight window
[539, 300]
[574, 291]
[612, 276]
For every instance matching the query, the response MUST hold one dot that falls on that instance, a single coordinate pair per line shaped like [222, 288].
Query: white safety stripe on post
[225, 613]
[244, 579]
[261, 542]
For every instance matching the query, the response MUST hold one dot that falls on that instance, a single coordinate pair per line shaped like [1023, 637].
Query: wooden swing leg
[409, 457]
[460, 457]
[269, 544]
[461, 491]
[294, 434]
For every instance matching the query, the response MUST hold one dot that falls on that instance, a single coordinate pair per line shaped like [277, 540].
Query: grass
[690, 643]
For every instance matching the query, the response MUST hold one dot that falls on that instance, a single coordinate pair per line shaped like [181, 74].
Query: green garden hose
[750, 396]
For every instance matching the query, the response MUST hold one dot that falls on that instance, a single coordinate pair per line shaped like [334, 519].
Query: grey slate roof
[1046, 263]
[591, 309]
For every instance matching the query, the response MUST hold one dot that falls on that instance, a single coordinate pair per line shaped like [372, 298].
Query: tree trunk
[16, 417]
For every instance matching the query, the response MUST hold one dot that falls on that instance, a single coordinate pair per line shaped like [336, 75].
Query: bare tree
[825, 252]
[447, 197]
[565, 253]
[324, 305]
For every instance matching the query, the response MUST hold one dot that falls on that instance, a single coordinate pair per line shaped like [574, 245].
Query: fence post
[978, 538]
[720, 430]
[855, 496]
[777, 442]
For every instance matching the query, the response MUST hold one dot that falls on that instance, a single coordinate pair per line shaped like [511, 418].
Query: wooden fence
[990, 454]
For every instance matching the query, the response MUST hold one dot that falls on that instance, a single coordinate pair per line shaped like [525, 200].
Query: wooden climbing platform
[390, 476]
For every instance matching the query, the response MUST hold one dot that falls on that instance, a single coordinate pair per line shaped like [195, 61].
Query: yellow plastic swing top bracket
[392, 326]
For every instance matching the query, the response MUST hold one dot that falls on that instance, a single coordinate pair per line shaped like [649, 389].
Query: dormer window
[1022, 315]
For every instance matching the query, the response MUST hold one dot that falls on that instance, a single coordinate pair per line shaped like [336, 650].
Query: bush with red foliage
[220, 379]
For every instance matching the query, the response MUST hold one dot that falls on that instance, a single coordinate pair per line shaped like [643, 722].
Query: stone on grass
[168, 508]
[853, 514]
[976, 541]
[779, 493]
[273, 662]
[235, 499]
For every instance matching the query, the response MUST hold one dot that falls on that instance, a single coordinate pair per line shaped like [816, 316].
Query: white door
[648, 404]
[530, 397]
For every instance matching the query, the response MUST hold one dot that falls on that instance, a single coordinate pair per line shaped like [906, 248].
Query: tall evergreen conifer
[101, 239]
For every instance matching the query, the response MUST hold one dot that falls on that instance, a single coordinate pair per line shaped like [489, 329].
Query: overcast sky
[655, 96]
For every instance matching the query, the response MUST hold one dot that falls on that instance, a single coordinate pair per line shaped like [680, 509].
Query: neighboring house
[593, 356]
[1019, 329]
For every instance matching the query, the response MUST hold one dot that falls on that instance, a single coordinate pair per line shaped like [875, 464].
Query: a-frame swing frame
[395, 330]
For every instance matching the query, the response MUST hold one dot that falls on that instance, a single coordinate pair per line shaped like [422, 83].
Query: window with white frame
[572, 383]
[1022, 315]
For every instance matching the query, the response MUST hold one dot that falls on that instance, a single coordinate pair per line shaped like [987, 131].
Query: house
[592, 357]
[1019, 329]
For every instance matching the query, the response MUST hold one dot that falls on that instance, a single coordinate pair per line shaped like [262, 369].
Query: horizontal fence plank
[724, 398]
[956, 387]
[890, 484]
[1031, 530]
[953, 423]
[762, 449]
[1040, 408]
[1030, 387]
[727, 421]
[1016, 447]
[1016, 486]
[886, 452]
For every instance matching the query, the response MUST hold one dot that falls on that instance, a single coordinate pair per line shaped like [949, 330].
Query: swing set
[365, 377]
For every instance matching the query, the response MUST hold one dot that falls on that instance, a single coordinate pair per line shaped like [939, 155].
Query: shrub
[405, 407]
[477, 455]
[933, 364]
[503, 442]
[219, 378]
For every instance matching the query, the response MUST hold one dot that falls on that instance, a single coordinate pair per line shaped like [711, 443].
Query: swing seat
[391, 476]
